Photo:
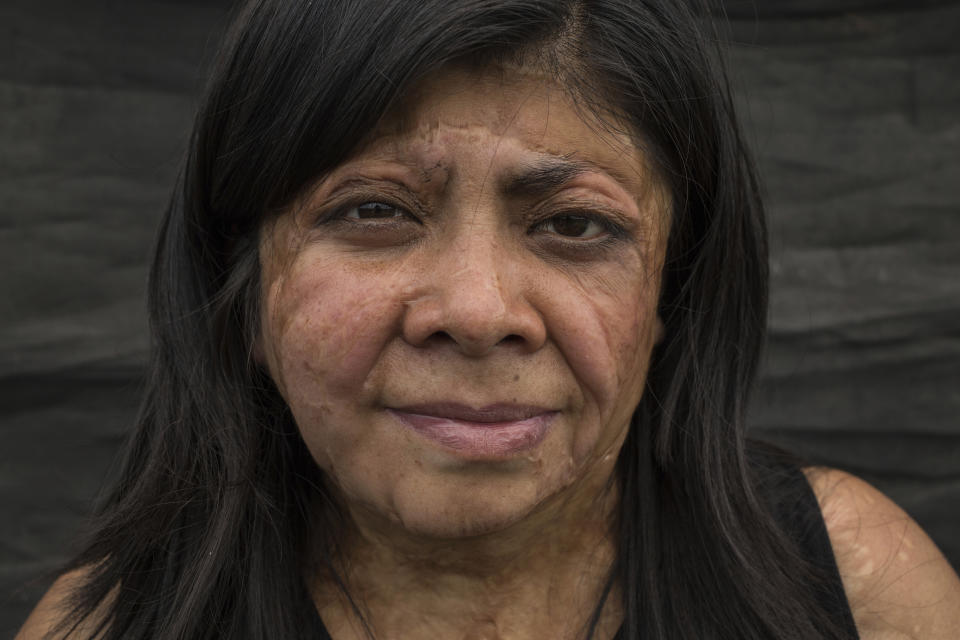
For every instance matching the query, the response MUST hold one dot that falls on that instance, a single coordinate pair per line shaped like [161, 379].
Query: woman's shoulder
[898, 584]
[52, 609]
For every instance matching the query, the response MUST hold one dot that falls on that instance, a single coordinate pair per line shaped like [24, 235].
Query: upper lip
[500, 412]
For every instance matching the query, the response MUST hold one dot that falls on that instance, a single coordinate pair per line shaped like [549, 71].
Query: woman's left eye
[574, 226]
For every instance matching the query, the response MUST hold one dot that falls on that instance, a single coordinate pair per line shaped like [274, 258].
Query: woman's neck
[539, 578]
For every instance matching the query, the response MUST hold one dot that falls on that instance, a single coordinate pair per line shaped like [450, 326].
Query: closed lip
[492, 413]
[488, 433]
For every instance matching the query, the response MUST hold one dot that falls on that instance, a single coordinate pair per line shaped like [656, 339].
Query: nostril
[439, 337]
[450, 321]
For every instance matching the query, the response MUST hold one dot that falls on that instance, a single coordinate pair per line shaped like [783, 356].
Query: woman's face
[461, 315]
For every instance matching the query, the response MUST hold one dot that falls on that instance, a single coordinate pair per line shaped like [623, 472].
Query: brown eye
[571, 226]
[373, 211]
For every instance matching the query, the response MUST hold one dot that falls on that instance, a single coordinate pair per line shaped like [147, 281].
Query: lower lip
[480, 439]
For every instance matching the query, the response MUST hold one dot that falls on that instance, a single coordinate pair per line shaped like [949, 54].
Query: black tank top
[784, 488]
[790, 498]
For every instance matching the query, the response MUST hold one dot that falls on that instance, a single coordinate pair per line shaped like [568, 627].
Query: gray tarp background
[853, 109]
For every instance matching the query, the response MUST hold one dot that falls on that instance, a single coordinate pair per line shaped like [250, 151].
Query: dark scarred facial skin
[491, 247]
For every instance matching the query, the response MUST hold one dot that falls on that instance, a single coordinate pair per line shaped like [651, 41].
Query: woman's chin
[461, 525]
[448, 512]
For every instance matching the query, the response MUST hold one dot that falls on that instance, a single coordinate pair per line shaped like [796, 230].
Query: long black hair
[204, 534]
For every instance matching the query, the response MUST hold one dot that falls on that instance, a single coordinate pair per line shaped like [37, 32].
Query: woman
[455, 312]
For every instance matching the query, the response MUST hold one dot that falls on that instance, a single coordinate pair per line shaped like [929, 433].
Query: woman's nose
[475, 297]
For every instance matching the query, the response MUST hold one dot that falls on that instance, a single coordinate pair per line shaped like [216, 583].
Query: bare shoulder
[52, 608]
[898, 583]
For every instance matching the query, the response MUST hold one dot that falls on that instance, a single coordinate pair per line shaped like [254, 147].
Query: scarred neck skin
[539, 578]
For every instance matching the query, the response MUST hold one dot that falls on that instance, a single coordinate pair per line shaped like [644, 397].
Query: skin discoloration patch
[897, 582]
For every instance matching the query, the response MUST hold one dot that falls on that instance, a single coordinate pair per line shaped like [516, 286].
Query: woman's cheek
[602, 334]
[606, 340]
[329, 328]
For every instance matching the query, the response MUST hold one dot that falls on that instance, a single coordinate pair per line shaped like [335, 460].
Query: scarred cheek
[327, 330]
[609, 355]
[631, 336]
[608, 348]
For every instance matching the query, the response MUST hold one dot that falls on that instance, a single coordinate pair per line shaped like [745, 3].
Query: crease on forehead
[425, 149]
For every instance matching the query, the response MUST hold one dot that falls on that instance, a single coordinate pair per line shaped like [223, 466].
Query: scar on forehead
[427, 172]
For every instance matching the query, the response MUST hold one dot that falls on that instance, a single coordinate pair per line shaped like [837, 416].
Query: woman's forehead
[525, 121]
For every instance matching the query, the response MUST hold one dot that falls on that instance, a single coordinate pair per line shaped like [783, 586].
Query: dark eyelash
[616, 230]
[337, 214]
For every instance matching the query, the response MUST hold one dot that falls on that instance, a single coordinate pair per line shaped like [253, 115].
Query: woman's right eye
[373, 211]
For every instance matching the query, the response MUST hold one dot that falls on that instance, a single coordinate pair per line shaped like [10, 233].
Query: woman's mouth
[490, 432]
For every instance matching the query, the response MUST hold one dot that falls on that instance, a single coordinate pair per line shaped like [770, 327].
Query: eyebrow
[542, 177]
